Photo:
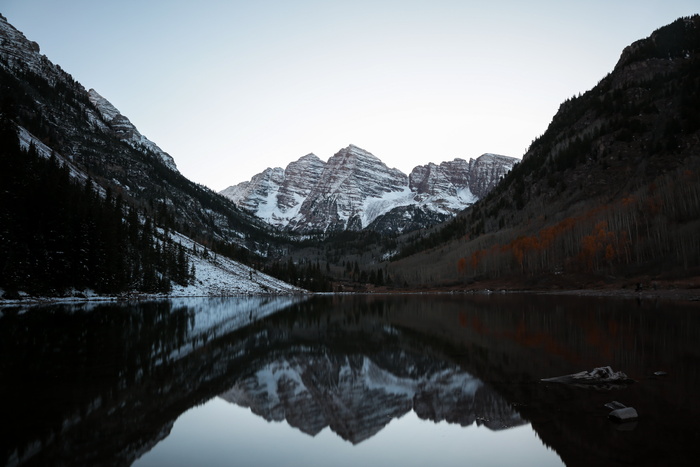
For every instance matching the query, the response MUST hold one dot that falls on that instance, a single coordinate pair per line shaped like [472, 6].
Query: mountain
[609, 193]
[88, 131]
[88, 202]
[355, 190]
[276, 194]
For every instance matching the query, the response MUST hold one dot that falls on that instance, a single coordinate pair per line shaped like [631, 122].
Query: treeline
[307, 275]
[654, 229]
[377, 277]
[57, 233]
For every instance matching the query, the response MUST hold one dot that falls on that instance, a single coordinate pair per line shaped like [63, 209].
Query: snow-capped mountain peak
[355, 189]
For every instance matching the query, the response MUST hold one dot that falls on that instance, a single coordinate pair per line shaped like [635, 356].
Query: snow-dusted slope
[221, 276]
[355, 188]
[276, 195]
[485, 172]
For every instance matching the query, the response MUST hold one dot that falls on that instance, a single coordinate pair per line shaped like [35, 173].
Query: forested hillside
[57, 233]
[610, 191]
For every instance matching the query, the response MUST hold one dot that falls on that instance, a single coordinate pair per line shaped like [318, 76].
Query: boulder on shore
[626, 414]
[601, 377]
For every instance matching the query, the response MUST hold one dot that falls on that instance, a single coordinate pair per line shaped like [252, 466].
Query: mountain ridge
[354, 188]
[609, 193]
[126, 130]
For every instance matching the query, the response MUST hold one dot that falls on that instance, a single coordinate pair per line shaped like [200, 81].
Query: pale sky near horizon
[229, 88]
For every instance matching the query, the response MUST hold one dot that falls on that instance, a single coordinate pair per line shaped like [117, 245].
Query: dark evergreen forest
[59, 233]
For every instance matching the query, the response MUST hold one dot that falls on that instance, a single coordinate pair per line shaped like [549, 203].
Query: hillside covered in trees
[610, 191]
[57, 233]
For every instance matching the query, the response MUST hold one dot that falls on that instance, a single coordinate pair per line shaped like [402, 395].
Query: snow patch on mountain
[375, 207]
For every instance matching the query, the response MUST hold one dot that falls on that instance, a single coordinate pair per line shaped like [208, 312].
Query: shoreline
[666, 294]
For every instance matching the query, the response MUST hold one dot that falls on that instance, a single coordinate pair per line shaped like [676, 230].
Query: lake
[349, 380]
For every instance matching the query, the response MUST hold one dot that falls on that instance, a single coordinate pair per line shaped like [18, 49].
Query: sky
[229, 88]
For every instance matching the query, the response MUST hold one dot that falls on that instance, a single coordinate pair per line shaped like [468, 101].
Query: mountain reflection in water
[357, 395]
[103, 384]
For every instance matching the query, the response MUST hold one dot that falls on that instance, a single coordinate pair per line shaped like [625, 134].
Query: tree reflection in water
[102, 384]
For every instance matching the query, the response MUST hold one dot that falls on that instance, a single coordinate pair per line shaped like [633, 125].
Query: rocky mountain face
[23, 57]
[355, 190]
[125, 130]
[84, 130]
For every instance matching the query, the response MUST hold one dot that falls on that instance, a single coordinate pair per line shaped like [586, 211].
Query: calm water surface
[348, 380]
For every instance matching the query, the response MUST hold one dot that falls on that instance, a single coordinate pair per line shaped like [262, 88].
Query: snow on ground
[445, 204]
[221, 276]
[215, 275]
